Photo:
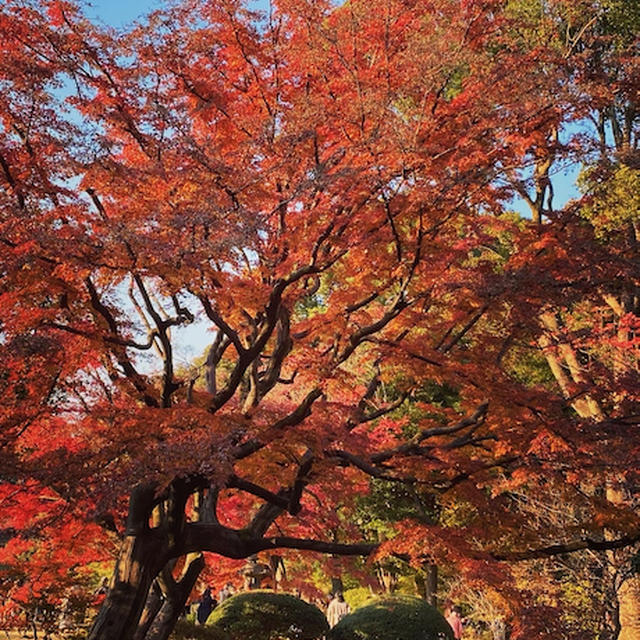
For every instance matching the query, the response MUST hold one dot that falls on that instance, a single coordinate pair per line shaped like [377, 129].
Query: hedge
[185, 630]
[265, 615]
[393, 617]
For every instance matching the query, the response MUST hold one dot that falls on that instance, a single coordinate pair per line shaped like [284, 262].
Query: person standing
[101, 592]
[207, 603]
[225, 592]
[337, 609]
[455, 622]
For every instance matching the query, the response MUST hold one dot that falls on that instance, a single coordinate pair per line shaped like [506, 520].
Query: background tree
[588, 358]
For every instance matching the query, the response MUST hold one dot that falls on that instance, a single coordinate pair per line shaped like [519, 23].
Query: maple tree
[322, 195]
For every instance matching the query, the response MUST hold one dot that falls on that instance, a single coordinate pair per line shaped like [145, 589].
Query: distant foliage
[358, 597]
[614, 197]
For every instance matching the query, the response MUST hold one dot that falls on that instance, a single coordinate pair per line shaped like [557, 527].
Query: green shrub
[393, 618]
[265, 615]
[185, 630]
[358, 597]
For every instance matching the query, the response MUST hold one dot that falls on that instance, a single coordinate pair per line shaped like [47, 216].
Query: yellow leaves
[501, 448]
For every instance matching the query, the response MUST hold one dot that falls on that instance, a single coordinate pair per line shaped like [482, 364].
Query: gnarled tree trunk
[143, 554]
[175, 594]
[141, 558]
[151, 610]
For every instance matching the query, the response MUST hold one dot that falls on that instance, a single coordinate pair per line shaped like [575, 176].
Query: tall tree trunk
[336, 584]
[151, 610]
[431, 584]
[176, 593]
[426, 581]
[629, 608]
[141, 558]
[562, 360]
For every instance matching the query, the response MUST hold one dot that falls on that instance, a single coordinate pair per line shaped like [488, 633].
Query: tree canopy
[252, 261]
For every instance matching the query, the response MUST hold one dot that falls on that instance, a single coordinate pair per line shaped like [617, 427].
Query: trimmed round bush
[265, 615]
[393, 617]
[185, 630]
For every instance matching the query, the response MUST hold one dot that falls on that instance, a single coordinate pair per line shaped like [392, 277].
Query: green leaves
[613, 198]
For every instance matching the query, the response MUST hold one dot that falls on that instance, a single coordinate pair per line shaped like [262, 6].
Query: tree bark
[629, 608]
[431, 584]
[336, 585]
[151, 610]
[426, 581]
[156, 533]
[141, 558]
[176, 593]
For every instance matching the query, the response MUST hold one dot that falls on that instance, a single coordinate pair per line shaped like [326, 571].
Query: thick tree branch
[569, 547]
[475, 419]
[366, 467]
[361, 334]
[169, 385]
[280, 499]
[270, 377]
[319, 546]
[302, 477]
[219, 321]
[238, 544]
[266, 516]
[123, 359]
[110, 339]
[302, 411]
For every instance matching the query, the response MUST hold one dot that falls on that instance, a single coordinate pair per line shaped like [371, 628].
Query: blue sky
[120, 12]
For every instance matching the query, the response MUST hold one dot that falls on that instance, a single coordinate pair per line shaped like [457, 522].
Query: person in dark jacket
[206, 606]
